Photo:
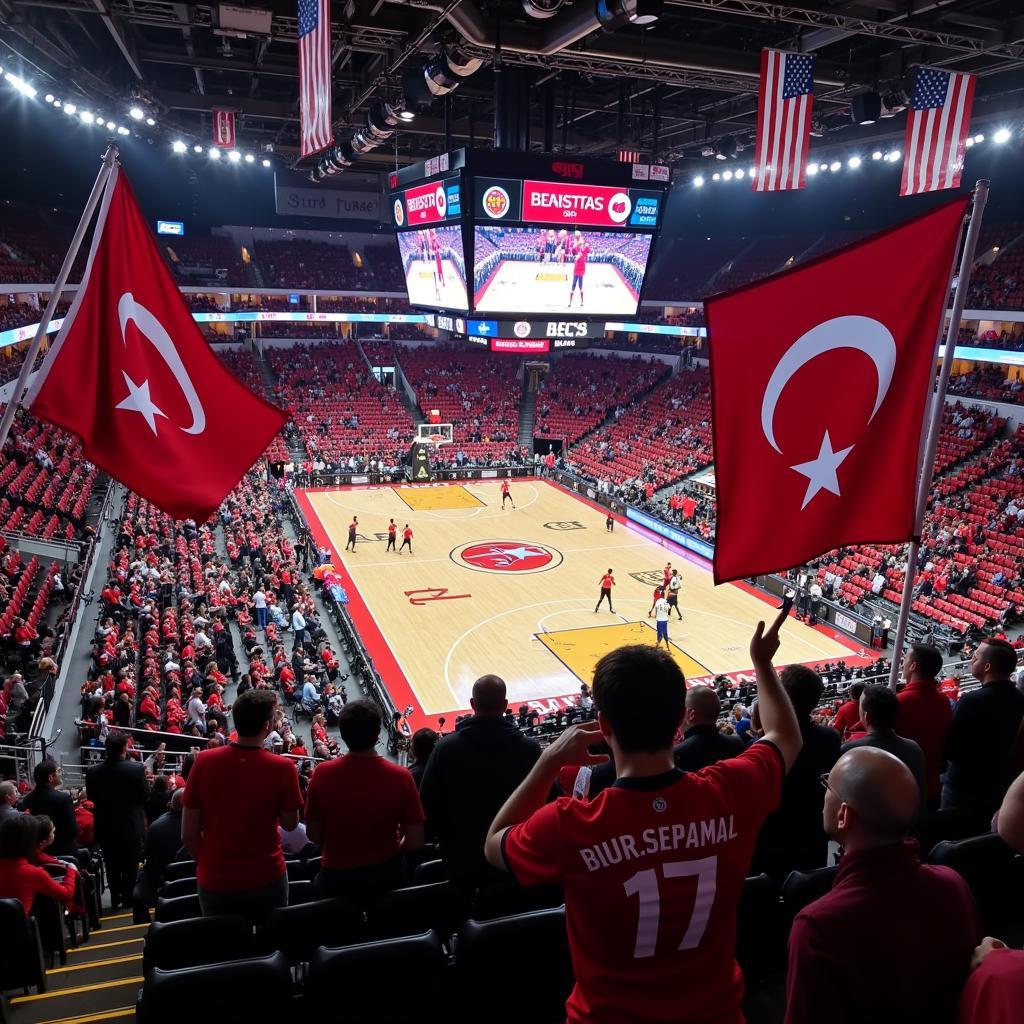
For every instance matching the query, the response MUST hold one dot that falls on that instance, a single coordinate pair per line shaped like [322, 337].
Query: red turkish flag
[131, 375]
[819, 379]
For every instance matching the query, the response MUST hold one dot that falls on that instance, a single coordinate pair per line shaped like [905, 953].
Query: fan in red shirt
[847, 720]
[925, 713]
[20, 880]
[652, 867]
[364, 811]
[235, 798]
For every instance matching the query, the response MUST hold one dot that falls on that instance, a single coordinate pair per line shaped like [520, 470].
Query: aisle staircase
[100, 981]
[527, 418]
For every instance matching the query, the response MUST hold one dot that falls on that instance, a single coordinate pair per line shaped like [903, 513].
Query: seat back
[298, 931]
[300, 891]
[354, 982]
[531, 946]
[760, 941]
[179, 887]
[429, 871]
[179, 869]
[802, 888]
[994, 872]
[936, 826]
[177, 908]
[22, 964]
[417, 909]
[195, 941]
[259, 988]
[506, 898]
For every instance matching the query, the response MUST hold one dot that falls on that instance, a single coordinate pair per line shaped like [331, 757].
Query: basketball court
[513, 592]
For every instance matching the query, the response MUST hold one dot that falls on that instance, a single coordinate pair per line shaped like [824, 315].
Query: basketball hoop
[437, 439]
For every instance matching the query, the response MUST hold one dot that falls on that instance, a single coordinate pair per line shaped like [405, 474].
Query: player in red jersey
[607, 582]
[392, 532]
[506, 494]
[580, 252]
[653, 866]
[406, 539]
[435, 247]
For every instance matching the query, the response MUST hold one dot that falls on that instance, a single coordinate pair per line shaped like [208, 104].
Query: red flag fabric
[819, 379]
[131, 375]
[224, 128]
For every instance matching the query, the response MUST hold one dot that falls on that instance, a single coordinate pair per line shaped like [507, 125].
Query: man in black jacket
[47, 799]
[793, 837]
[702, 743]
[469, 776]
[118, 790]
[163, 842]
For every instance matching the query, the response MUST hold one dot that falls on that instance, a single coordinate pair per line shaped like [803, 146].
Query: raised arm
[777, 716]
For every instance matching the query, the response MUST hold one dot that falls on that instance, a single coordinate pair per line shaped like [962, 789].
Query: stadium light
[739, 172]
[979, 138]
[812, 169]
[150, 122]
[266, 163]
[178, 146]
[716, 176]
[234, 156]
[249, 158]
[822, 167]
[752, 172]
[834, 166]
[698, 181]
[70, 108]
[854, 162]
[969, 141]
[214, 153]
[197, 149]
[57, 104]
[111, 126]
[727, 176]
[49, 97]
[136, 113]
[122, 130]
[87, 117]
[877, 155]
[21, 85]
[1001, 136]
[893, 155]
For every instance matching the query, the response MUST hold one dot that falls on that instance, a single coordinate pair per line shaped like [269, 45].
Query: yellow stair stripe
[121, 928]
[114, 917]
[58, 993]
[95, 963]
[105, 945]
[121, 1011]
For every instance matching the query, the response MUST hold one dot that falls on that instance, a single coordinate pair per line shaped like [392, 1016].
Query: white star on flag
[138, 400]
[821, 472]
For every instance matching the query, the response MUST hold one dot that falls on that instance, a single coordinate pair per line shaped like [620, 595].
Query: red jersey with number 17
[653, 869]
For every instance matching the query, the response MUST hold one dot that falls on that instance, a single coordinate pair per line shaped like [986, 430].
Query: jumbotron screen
[434, 265]
[550, 270]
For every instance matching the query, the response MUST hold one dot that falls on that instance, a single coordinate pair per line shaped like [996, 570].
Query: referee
[672, 596]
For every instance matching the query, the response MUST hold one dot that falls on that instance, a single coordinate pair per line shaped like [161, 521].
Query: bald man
[702, 743]
[893, 940]
[470, 774]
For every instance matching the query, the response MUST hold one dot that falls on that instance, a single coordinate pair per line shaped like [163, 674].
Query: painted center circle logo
[619, 206]
[506, 556]
[399, 213]
[521, 329]
[441, 201]
[496, 202]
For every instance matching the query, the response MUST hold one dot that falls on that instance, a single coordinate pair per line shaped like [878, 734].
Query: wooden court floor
[513, 592]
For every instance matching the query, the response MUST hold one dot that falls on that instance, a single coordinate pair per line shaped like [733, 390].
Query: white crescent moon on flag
[857, 332]
[156, 334]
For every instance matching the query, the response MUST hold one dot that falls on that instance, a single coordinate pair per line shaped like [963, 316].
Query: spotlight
[266, 163]
[49, 97]
[249, 158]
[752, 172]
[698, 181]
[727, 176]
[150, 122]
[877, 155]
[123, 131]
[865, 108]
[197, 149]
[894, 155]
[234, 156]
[111, 126]
[822, 167]
[834, 166]
[57, 104]
[979, 138]
[136, 113]
[614, 14]
[214, 153]
[969, 141]
[70, 108]
[726, 148]
[739, 172]
[1001, 136]
[382, 116]
[178, 146]
[87, 117]
[854, 161]
[716, 176]
[21, 85]
[362, 143]
[812, 169]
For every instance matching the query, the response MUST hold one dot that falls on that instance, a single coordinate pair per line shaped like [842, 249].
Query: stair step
[77, 1004]
[94, 972]
[97, 949]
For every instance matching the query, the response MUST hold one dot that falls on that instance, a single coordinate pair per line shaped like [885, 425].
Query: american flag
[783, 120]
[315, 75]
[937, 124]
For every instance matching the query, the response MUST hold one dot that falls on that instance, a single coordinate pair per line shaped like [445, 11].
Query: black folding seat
[179, 887]
[300, 891]
[298, 931]
[180, 869]
[760, 942]
[437, 906]
[177, 908]
[429, 871]
[507, 897]
[195, 941]
[937, 826]
[802, 888]
[22, 965]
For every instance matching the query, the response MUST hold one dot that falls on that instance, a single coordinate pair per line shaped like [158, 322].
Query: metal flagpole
[58, 286]
[924, 485]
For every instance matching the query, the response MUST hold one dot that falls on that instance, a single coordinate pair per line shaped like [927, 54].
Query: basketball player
[392, 531]
[549, 247]
[666, 575]
[580, 252]
[674, 583]
[607, 582]
[406, 539]
[506, 494]
[661, 611]
[609, 523]
[563, 245]
[658, 592]
[435, 246]
[352, 527]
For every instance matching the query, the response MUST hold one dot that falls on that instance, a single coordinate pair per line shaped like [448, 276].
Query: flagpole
[935, 426]
[109, 158]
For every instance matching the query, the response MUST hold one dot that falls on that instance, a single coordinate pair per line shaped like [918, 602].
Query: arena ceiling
[671, 91]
